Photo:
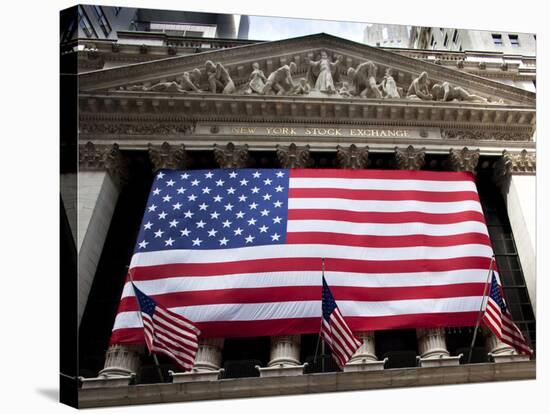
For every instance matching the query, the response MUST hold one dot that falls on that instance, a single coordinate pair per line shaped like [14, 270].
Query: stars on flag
[213, 209]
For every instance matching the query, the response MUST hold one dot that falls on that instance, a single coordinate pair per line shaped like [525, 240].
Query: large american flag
[499, 320]
[238, 251]
[166, 332]
[334, 330]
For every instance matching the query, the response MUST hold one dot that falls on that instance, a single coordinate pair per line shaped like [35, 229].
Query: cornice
[130, 106]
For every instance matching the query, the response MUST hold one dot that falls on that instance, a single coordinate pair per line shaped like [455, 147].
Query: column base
[499, 358]
[195, 376]
[281, 370]
[441, 361]
[365, 365]
[106, 382]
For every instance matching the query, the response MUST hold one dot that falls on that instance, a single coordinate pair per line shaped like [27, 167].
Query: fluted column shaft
[431, 343]
[121, 360]
[367, 351]
[285, 350]
[209, 354]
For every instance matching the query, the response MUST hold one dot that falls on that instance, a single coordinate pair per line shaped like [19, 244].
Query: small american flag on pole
[167, 332]
[499, 320]
[334, 330]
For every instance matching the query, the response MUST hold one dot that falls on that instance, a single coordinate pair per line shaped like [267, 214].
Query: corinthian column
[463, 160]
[431, 342]
[515, 175]
[499, 351]
[207, 365]
[209, 355]
[285, 350]
[433, 348]
[102, 171]
[365, 358]
[123, 360]
[231, 156]
[121, 365]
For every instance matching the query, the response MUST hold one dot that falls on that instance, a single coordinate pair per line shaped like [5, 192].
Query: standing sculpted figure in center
[321, 73]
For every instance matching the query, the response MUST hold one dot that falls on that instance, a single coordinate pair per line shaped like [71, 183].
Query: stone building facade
[181, 112]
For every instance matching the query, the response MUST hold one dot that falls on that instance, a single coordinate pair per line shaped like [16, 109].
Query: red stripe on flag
[276, 327]
[305, 293]
[367, 240]
[381, 174]
[307, 264]
[384, 218]
[383, 195]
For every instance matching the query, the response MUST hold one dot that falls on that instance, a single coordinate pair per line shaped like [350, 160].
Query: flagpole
[142, 324]
[321, 326]
[323, 343]
[481, 308]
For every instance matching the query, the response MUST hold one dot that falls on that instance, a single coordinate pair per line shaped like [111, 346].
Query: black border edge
[68, 289]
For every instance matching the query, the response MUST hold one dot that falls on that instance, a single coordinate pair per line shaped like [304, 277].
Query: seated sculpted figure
[280, 81]
[186, 83]
[344, 90]
[446, 92]
[256, 80]
[218, 78]
[363, 78]
[301, 88]
[419, 88]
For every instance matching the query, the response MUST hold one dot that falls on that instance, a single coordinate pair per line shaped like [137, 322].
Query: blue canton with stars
[146, 304]
[215, 209]
[496, 294]
[328, 302]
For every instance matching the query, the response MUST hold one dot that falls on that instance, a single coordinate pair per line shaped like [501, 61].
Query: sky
[276, 28]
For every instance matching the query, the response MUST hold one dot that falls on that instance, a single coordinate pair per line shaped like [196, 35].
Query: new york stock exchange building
[314, 103]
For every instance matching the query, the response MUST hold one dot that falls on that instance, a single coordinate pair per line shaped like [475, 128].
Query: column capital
[352, 157]
[464, 159]
[231, 156]
[520, 163]
[294, 156]
[167, 156]
[410, 158]
[92, 157]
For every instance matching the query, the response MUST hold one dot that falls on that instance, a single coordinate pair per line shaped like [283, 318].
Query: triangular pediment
[238, 62]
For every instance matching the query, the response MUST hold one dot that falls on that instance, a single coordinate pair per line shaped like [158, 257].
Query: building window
[103, 22]
[68, 34]
[455, 36]
[514, 40]
[432, 41]
[446, 41]
[497, 39]
[85, 24]
[508, 262]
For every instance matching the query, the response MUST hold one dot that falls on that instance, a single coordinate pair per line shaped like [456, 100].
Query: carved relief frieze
[135, 128]
[485, 135]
